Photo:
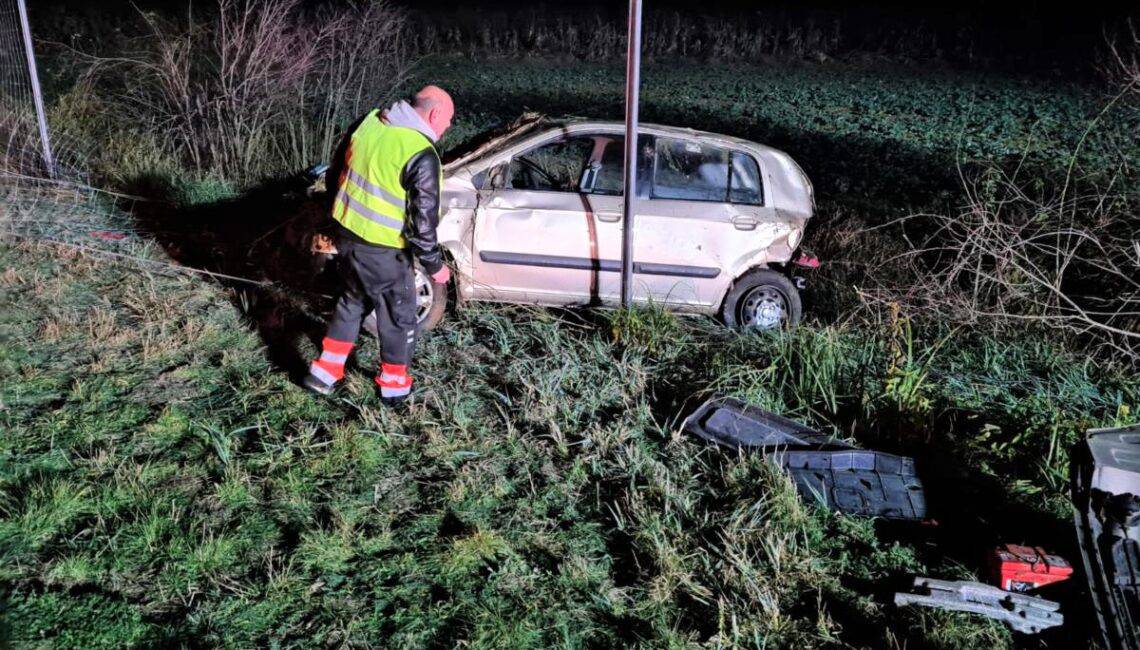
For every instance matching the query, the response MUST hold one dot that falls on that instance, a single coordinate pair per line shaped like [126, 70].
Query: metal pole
[632, 82]
[49, 162]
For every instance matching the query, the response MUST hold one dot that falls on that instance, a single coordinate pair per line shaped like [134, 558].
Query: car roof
[533, 124]
[791, 190]
[656, 129]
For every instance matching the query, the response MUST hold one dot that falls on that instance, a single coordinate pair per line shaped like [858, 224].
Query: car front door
[532, 240]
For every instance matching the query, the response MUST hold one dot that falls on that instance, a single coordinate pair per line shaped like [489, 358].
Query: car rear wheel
[762, 299]
[431, 304]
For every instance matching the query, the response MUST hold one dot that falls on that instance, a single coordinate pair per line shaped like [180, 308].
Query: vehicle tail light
[807, 261]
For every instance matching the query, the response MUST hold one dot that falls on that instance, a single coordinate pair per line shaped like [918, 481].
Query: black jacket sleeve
[421, 181]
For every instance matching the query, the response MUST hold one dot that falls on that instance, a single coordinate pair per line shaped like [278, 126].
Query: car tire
[430, 315]
[762, 299]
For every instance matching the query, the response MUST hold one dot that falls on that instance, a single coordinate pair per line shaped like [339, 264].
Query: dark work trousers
[380, 278]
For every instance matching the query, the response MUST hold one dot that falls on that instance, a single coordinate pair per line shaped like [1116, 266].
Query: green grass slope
[162, 482]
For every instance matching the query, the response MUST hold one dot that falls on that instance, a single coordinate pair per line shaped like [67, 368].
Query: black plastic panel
[825, 470]
[858, 482]
[733, 423]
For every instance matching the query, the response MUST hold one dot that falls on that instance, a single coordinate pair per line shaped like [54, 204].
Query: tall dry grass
[22, 149]
[743, 34]
[261, 87]
[666, 34]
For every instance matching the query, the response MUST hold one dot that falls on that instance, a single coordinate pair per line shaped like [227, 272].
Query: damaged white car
[534, 216]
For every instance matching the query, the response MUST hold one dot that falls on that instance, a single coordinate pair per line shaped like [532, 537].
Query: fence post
[632, 83]
[41, 119]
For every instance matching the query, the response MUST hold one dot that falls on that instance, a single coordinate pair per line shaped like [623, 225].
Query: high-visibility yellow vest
[370, 200]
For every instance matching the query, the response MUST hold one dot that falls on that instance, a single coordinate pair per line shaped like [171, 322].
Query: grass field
[880, 137]
[163, 481]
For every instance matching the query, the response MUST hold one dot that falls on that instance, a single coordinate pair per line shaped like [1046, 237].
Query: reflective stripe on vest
[370, 199]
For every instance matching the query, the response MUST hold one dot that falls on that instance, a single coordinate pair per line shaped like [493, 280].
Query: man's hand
[442, 275]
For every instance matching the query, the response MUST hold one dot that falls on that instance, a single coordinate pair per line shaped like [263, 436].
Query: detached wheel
[762, 299]
[431, 304]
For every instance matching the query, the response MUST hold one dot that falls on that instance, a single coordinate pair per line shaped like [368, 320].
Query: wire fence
[39, 197]
[46, 201]
[23, 123]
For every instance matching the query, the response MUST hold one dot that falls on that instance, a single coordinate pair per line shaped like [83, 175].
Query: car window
[690, 171]
[553, 167]
[745, 186]
[609, 178]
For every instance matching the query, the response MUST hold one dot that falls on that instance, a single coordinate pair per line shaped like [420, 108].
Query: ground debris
[825, 469]
[1023, 613]
[1106, 497]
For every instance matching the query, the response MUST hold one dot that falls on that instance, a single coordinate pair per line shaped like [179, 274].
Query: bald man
[387, 205]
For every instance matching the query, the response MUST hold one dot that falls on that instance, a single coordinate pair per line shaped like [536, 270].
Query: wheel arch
[740, 273]
[794, 304]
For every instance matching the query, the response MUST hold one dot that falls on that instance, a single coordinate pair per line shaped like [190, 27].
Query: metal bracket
[1022, 613]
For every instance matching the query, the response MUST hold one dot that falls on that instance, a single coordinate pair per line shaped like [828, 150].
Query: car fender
[779, 240]
[457, 226]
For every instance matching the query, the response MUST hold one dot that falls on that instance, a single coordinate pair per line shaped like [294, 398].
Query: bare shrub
[262, 87]
[1010, 261]
[1120, 60]
[1066, 259]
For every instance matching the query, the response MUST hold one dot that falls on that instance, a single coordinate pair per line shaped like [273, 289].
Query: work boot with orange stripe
[394, 382]
[328, 369]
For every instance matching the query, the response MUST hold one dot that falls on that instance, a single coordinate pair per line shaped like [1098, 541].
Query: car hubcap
[425, 295]
[763, 308]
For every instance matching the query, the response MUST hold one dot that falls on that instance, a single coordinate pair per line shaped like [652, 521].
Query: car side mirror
[497, 177]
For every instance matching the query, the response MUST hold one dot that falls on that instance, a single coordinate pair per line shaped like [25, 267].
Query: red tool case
[1022, 568]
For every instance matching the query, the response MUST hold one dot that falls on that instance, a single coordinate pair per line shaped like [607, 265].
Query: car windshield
[496, 138]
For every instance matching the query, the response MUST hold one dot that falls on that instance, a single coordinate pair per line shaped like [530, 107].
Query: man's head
[435, 106]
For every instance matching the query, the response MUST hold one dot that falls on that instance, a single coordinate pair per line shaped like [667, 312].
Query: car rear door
[702, 205]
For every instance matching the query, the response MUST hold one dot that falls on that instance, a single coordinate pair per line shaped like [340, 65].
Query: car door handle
[610, 217]
[496, 202]
[745, 222]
